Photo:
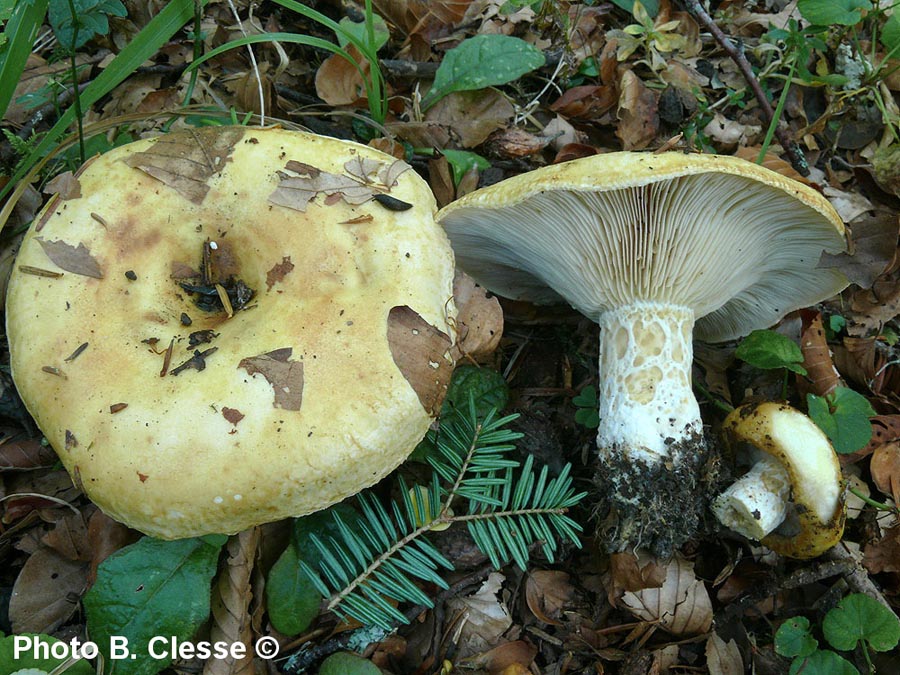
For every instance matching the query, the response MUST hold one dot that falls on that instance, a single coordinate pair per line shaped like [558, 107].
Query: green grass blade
[145, 44]
[21, 29]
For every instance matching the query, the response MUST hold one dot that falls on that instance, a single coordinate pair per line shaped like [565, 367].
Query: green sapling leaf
[828, 12]
[859, 617]
[890, 33]
[822, 662]
[768, 350]
[482, 61]
[486, 386]
[844, 417]
[794, 639]
[148, 589]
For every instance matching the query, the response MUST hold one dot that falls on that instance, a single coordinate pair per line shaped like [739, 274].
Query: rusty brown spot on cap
[420, 351]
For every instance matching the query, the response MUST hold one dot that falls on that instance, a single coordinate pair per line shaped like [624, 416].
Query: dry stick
[798, 161]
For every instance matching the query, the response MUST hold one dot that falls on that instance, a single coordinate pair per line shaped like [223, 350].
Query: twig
[798, 161]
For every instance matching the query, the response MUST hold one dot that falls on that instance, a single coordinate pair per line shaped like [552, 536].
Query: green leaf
[148, 589]
[292, 600]
[92, 18]
[828, 12]
[793, 638]
[10, 663]
[345, 663]
[462, 161]
[350, 29]
[588, 416]
[859, 617]
[482, 61]
[844, 417]
[822, 662]
[890, 32]
[767, 350]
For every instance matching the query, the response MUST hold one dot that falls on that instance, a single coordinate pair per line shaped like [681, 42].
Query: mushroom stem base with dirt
[650, 437]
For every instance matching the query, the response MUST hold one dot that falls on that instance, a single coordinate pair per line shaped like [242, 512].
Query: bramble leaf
[768, 350]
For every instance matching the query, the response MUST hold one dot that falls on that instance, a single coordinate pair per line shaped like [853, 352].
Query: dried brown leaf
[186, 160]
[106, 536]
[421, 353]
[230, 604]
[278, 272]
[681, 605]
[233, 415]
[823, 376]
[585, 101]
[297, 191]
[66, 185]
[479, 318]
[884, 554]
[440, 179]
[874, 242]
[25, 453]
[69, 536]
[638, 116]
[515, 143]
[872, 308]
[487, 618]
[285, 376]
[508, 658]
[628, 573]
[46, 592]
[339, 82]
[547, 592]
[885, 468]
[723, 658]
[471, 116]
[74, 259]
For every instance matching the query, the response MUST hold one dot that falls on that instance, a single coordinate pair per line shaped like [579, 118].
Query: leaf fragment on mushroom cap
[74, 259]
[186, 160]
[285, 376]
[278, 272]
[420, 351]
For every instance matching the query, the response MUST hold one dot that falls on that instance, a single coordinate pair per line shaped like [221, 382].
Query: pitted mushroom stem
[757, 503]
[645, 393]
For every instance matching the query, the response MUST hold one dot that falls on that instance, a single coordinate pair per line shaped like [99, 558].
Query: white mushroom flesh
[757, 502]
[645, 382]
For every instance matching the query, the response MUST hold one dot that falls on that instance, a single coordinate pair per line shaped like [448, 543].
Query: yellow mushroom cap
[803, 450]
[736, 243]
[179, 420]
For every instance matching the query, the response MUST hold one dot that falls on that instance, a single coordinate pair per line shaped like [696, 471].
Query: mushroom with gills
[791, 498]
[226, 327]
[657, 249]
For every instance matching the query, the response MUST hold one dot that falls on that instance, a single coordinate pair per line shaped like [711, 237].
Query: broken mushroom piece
[233, 325]
[656, 249]
[792, 497]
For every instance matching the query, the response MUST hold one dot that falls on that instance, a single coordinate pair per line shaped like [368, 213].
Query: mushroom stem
[646, 401]
[650, 437]
[757, 502]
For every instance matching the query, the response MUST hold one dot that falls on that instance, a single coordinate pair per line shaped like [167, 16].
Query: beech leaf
[285, 376]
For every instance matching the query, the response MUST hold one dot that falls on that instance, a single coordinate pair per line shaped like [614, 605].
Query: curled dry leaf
[69, 536]
[723, 658]
[17, 454]
[822, 374]
[547, 592]
[230, 604]
[884, 554]
[479, 318]
[514, 143]
[469, 117]
[680, 606]
[629, 573]
[106, 536]
[509, 658]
